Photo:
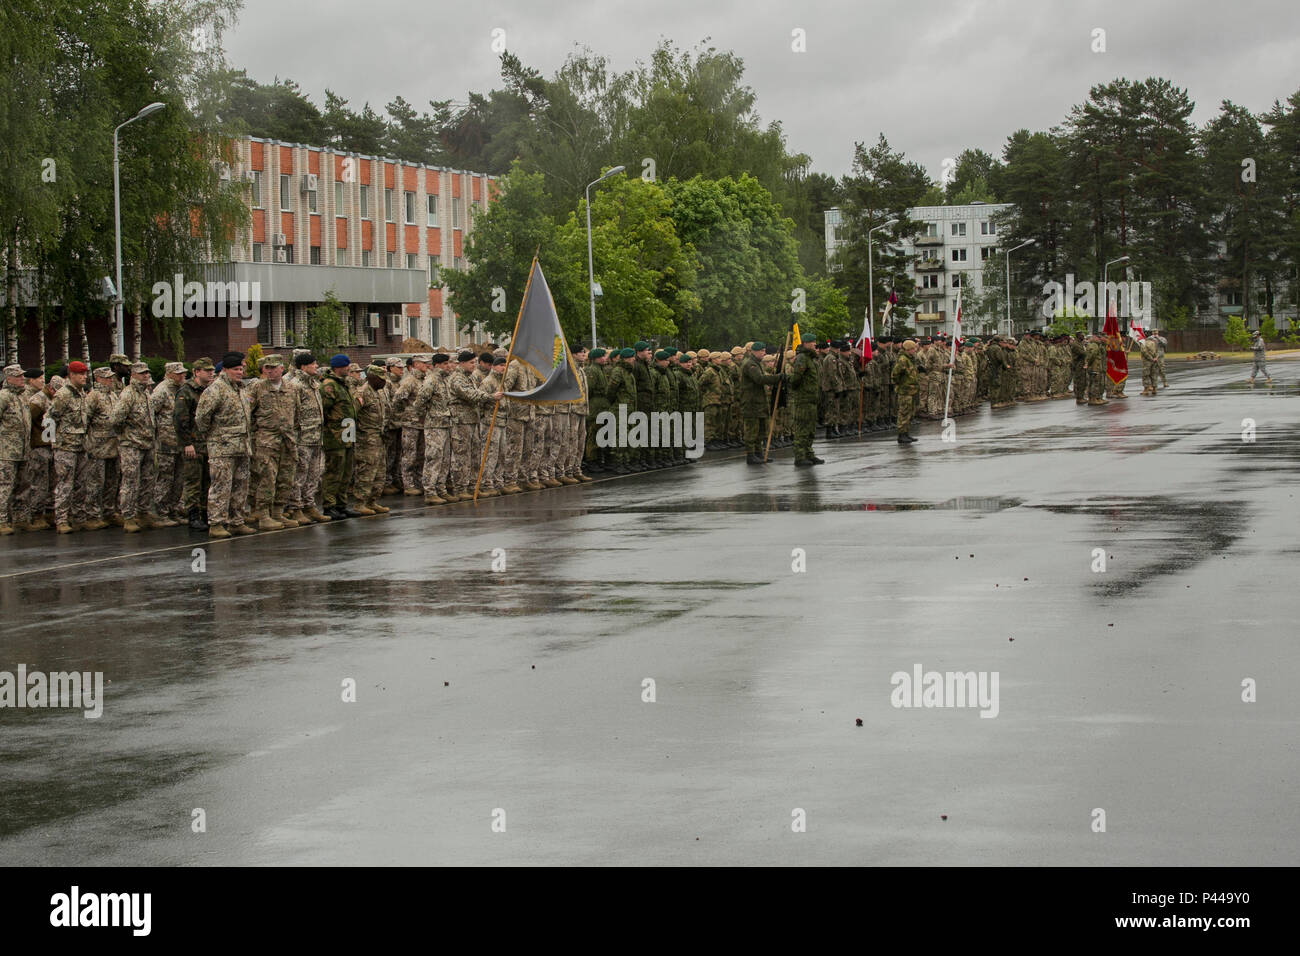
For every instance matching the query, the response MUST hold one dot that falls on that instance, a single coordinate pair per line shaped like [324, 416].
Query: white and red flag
[952, 354]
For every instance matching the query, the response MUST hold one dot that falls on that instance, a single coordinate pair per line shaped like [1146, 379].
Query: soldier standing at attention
[310, 466]
[372, 414]
[1078, 373]
[689, 395]
[222, 421]
[1094, 362]
[575, 443]
[465, 400]
[710, 381]
[339, 438]
[393, 367]
[194, 453]
[621, 391]
[904, 378]
[412, 430]
[133, 421]
[168, 486]
[15, 440]
[597, 459]
[518, 423]
[490, 384]
[1150, 362]
[753, 401]
[34, 481]
[68, 412]
[805, 393]
[101, 453]
[1162, 344]
[433, 403]
[273, 417]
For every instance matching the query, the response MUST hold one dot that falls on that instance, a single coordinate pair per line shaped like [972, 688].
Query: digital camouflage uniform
[338, 438]
[221, 420]
[169, 484]
[37, 471]
[805, 392]
[518, 419]
[412, 429]
[465, 401]
[273, 421]
[904, 379]
[68, 412]
[102, 475]
[309, 469]
[194, 471]
[492, 462]
[433, 402]
[372, 419]
[1095, 363]
[133, 421]
[15, 443]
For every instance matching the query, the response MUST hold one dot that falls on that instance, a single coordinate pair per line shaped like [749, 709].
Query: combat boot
[145, 521]
[550, 483]
[6, 529]
[581, 477]
[569, 480]
[131, 526]
[163, 521]
[315, 515]
[1098, 401]
[392, 490]
[376, 507]
[218, 531]
[534, 485]
[803, 462]
[36, 524]
[242, 528]
[64, 528]
[817, 461]
[97, 524]
[434, 500]
[511, 489]
[412, 491]
[287, 519]
[363, 510]
[489, 493]
[196, 521]
[266, 523]
[752, 458]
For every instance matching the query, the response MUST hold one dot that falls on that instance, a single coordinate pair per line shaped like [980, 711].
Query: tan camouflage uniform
[222, 421]
[133, 421]
[169, 486]
[102, 475]
[68, 412]
[15, 443]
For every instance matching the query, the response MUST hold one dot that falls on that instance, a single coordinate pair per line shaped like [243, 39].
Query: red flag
[1116, 358]
[1136, 330]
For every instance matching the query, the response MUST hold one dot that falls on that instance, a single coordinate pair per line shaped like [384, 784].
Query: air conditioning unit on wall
[397, 325]
[374, 320]
[309, 182]
[223, 170]
[280, 240]
[281, 255]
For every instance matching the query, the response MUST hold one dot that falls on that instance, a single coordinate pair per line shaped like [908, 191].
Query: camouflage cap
[910, 345]
[174, 368]
[393, 360]
[201, 364]
[138, 367]
[103, 372]
[425, 357]
[376, 370]
[500, 352]
[270, 361]
[354, 367]
[736, 350]
[13, 371]
[118, 359]
[56, 381]
[702, 354]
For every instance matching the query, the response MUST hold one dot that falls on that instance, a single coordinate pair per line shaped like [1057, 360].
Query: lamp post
[591, 272]
[120, 333]
[871, 285]
[1104, 290]
[1027, 242]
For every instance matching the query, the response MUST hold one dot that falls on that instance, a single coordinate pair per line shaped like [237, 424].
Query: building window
[929, 255]
[986, 253]
[257, 189]
[338, 199]
[365, 202]
[956, 280]
[930, 281]
[264, 323]
[931, 231]
[389, 262]
[455, 213]
[408, 207]
[341, 256]
[288, 253]
[285, 194]
[388, 205]
[959, 229]
[455, 263]
[315, 255]
[1232, 299]
[366, 257]
[988, 229]
[311, 200]
[432, 203]
[257, 252]
[959, 255]
[412, 261]
[435, 263]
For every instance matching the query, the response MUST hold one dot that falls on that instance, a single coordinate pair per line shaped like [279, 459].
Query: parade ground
[671, 667]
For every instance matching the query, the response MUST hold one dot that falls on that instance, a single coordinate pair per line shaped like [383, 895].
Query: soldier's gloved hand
[189, 452]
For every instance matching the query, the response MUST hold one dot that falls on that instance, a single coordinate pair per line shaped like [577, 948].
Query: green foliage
[1067, 321]
[252, 359]
[1235, 335]
[827, 311]
[1173, 318]
[1267, 329]
[326, 329]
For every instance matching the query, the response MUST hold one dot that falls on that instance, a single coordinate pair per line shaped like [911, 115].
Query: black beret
[498, 360]
[231, 359]
[303, 359]
[33, 372]
[486, 357]
[441, 358]
[465, 355]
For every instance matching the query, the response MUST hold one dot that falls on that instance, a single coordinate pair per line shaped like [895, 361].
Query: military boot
[287, 519]
[64, 528]
[131, 526]
[195, 517]
[315, 515]
[163, 521]
[218, 531]
[6, 529]
[242, 528]
[266, 523]
[362, 509]
[376, 507]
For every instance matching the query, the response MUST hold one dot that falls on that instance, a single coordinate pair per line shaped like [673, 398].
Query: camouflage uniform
[1149, 350]
[133, 421]
[1095, 362]
[37, 469]
[597, 402]
[222, 421]
[1078, 374]
[412, 429]
[372, 418]
[273, 425]
[194, 471]
[310, 465]
[68, 412]
[753, 402]
[575, 440]
[169, 485]
[620, 389]
[518, 421]
[433, 402]
[102, 475]
[15, 443]
[465, 401]
[393, 433]
[494, 461]
[710, 385]
[906, 386]
[338, 440]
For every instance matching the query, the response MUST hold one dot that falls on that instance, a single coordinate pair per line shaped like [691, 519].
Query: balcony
[928, 241]
[930, 265]
[937, 292]
[300, 282]
[930, 317]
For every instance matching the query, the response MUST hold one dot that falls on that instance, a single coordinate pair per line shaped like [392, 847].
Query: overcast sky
[934, 76]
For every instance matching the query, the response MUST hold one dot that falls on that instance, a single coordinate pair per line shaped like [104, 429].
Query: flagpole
[497, 404]
[952, 355]
[771, 421]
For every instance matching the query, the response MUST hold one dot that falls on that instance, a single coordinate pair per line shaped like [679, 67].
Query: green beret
[640, 346]
[758, 347]
[596, 353]
[661, 354]
[671, 351]
[627, 353]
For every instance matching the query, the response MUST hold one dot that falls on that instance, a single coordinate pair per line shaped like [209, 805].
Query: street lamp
[871, 285]
[1104, 270]
[591, 272]
[120, 335]
[1027, 242]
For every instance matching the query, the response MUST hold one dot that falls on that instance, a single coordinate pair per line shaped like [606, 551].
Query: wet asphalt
[513, 699]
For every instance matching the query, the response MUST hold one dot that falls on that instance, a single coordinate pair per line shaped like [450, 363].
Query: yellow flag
[797, 340]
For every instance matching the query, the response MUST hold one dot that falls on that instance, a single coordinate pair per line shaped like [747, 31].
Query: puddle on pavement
[759, 503]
